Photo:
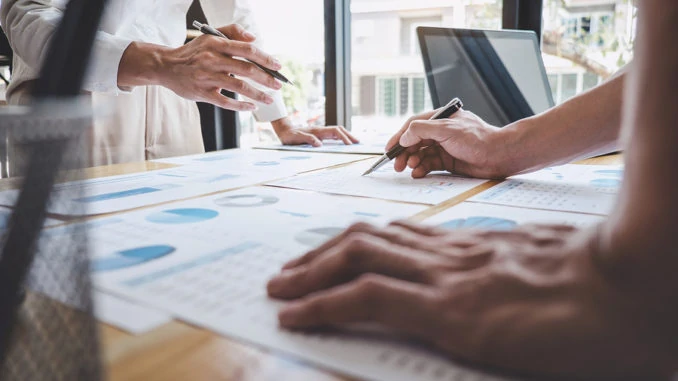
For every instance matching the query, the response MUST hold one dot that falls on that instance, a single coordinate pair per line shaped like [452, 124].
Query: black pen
[206, 29]
[445, 112]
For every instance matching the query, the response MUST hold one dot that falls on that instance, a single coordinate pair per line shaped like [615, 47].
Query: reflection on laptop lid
[499, 75]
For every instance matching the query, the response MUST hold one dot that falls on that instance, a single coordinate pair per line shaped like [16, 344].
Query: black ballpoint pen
[445, 112]
[206, 29]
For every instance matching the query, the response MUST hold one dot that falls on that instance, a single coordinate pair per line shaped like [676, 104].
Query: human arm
[584, 126]
[291, 135]
[200, 69]
[548, 301]
[239, 12]
[29, 26]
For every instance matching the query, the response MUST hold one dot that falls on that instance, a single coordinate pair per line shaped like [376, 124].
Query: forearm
[640, 241]
[584, 126]
[141, 65]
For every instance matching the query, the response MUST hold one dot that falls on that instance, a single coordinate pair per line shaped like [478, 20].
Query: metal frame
[524, 15]
[516, 14]
[338, 62]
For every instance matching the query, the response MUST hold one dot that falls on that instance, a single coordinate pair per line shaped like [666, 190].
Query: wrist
[143, 64]
[282, 125]
[511, 144]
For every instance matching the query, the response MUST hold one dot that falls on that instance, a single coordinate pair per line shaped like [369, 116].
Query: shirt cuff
[274, 111]
[102, 74]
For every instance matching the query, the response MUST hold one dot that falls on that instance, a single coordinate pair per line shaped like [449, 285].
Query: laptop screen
[499, 75]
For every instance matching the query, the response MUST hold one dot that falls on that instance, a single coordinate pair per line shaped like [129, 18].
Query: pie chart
[491, 223]
[132, 257]
[616, 173]
[182, 216]
[606, 183]
[317, 236]
[266, 163]
[246, 201]
[296, 158]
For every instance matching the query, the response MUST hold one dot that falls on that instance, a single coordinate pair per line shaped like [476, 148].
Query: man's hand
[463, 144]
[314, 136]
[200, 69]
[528, 300]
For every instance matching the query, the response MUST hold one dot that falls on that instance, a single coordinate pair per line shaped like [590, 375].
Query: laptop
[499, 75]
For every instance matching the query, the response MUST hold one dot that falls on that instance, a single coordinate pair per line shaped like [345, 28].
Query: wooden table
[179, 351]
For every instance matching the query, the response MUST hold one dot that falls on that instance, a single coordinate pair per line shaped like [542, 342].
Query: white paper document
[128, 316]
[207, 261]
[279, 162]
[373, 144]
[119, 193]
[333, 146]
[471, 215]
[573, 188]
[6, 214]
[200, 175]
[384, 183]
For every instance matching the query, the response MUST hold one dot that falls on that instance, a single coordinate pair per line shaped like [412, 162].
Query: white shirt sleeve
[29, 26]
[224, 12]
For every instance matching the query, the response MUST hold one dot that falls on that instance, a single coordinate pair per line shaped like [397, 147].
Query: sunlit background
[584, 42]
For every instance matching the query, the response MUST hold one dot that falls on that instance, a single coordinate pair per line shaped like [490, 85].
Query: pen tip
[367, 172]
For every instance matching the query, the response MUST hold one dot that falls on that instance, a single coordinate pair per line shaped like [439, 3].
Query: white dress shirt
[30, 23]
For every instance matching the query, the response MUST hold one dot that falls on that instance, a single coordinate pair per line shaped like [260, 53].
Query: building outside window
[585, 42]
[387, 70]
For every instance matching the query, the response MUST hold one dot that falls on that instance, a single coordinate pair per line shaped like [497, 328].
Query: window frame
[516, 14]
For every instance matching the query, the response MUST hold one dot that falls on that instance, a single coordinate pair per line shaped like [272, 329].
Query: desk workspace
[477, 247]
[205, 260]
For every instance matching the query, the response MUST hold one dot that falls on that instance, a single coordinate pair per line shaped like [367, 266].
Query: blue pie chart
[491, 223]
[606, 183]
[182, 216]
[296, 158]
[617, 173]
[131, 257]
[266, 163]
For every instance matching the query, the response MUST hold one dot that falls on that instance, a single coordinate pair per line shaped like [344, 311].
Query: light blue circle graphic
[317, 236]
[132, 257]
[295, 158]
[246, 201]
[606, 183]
[266, 163]
[182, 216]
[615, 173]
[490, 223]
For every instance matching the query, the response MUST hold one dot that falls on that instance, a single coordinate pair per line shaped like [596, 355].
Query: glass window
[553, 82]
[419, 99]
[384, 45]
[590, 81]
[569, 86]
[300, 46]
[387, 97]
[404, 95]
[585, 42]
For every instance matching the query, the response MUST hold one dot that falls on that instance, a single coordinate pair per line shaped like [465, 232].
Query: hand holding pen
[200, 69]
[443, 113]
[206, 29]
[463, 144]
